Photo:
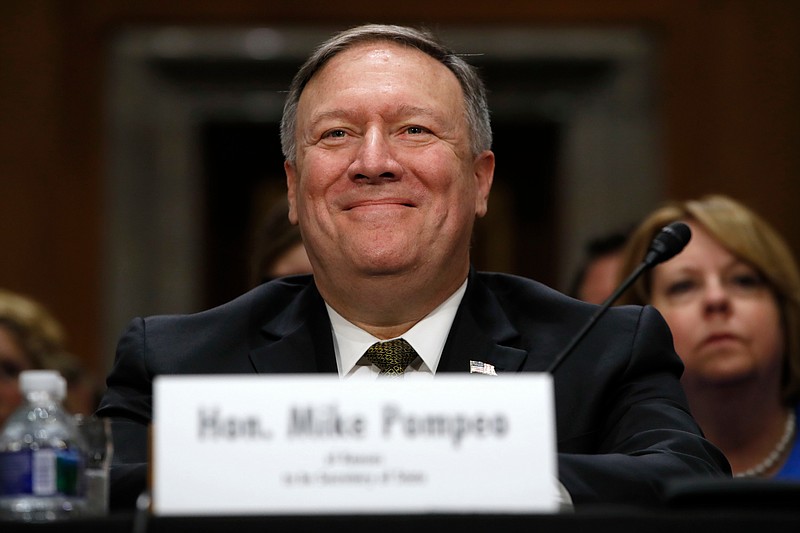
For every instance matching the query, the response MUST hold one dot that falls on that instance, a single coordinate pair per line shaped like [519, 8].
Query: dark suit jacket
[622, 421]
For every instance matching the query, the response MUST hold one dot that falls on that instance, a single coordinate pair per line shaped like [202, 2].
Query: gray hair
[476, 107]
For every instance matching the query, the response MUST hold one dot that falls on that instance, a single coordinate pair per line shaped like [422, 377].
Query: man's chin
[387, 271]
[386, 267]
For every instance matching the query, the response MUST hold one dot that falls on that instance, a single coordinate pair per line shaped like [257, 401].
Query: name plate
[290, 444]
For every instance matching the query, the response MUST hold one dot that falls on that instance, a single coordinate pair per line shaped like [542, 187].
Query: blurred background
[140, 139]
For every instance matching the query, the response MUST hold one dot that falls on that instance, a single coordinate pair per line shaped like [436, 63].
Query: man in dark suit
[387, 142]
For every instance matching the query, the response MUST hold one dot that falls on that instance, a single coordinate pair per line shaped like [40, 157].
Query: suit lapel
[296, 340]
[482, 332]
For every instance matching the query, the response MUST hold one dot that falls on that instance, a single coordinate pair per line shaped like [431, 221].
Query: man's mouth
[385, 202]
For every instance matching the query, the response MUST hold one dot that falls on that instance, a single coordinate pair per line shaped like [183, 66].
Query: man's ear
[484, 175]
[291, 188]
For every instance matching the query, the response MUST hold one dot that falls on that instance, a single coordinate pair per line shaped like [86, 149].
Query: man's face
[384, 181]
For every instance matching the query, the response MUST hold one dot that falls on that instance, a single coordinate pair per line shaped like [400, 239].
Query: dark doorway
[519, 233]
[243, 171]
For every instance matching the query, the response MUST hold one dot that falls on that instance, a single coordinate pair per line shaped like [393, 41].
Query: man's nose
[375, 160]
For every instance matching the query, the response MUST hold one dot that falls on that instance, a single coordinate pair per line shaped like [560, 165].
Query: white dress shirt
[427, 337]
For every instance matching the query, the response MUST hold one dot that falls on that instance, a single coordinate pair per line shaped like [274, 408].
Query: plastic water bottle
[42, 454]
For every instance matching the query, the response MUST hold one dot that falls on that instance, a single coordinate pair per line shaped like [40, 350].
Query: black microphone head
[668, 243]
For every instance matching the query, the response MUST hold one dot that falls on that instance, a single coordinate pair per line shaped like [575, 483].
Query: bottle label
[43, 472]
[47, 472]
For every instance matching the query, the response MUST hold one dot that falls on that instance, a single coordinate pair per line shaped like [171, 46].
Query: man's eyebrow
[407, 110]
[326, 115]
[404, 110]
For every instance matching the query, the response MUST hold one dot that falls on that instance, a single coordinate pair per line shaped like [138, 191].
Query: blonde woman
[732, 301]
[32, 339]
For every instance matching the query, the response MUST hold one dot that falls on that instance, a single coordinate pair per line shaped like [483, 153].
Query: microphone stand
[669, 241]
[600, 311]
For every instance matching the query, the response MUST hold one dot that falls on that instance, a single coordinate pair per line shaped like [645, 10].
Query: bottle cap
[43, 380]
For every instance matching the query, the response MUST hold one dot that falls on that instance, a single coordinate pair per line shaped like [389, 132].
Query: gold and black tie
[391, 357]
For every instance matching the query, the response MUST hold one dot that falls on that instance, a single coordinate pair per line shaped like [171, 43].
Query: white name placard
[289, 444]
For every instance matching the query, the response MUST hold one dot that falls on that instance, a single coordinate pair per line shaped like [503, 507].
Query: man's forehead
[383, 79]
[378, 53]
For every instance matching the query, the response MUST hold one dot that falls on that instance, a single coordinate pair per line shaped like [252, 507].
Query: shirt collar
[427, 336]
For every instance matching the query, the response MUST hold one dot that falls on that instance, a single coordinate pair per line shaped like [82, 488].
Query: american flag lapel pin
[479, 367]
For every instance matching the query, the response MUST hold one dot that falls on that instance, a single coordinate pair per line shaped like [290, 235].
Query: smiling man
[387, 142]
[386, 184]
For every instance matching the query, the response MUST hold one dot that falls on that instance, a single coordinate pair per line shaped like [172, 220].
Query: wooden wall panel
[730, 84]
[732, 107]
[48, 204]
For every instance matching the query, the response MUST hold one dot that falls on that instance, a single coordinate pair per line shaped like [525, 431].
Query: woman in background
[732, 301]
[32, 339]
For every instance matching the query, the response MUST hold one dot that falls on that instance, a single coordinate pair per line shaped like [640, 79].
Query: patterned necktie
[392, 357]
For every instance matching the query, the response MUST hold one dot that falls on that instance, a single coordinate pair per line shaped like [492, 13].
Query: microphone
[669, 242]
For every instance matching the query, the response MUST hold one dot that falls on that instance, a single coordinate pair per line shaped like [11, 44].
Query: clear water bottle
[42, 454]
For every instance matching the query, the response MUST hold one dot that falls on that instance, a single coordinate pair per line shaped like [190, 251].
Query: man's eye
[335, 134]
[416, 130]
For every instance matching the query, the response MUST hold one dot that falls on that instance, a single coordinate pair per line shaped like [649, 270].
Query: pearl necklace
[776, 453]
